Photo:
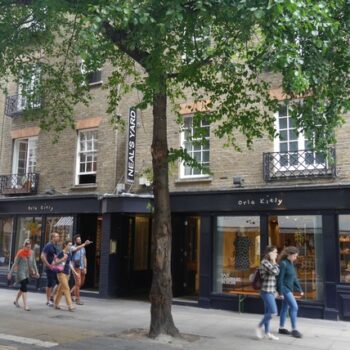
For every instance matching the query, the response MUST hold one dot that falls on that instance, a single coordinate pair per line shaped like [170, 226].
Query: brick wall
[56, 162]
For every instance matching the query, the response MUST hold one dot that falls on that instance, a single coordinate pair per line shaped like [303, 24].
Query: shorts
[24, 285]
[51, 278]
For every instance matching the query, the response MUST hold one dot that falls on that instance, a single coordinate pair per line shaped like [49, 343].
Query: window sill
[193, 180]
[96, 83]
[83, 187]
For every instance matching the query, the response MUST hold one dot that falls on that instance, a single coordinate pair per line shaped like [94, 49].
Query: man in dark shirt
[47, 256]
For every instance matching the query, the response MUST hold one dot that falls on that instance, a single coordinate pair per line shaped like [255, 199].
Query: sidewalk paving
[115, 324]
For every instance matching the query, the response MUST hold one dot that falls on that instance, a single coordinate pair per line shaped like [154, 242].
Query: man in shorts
[47, 256]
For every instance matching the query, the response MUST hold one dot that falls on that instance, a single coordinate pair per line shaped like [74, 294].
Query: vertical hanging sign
[131, 147]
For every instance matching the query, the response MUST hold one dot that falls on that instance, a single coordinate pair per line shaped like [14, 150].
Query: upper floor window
[25, 156]
[27, 89]
[296, 151]
[197, 49]
[196, 147]
[34, 20]
[92, 77]
[86, 156]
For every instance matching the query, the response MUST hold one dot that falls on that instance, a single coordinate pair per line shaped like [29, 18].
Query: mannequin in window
[241, 245]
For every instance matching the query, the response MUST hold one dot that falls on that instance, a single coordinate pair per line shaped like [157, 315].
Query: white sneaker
[259, 333]
[271, 336]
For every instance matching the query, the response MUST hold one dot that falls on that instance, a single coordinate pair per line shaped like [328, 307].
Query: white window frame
[32, 24]
[301, 147]
[28, 87]
[84, 71]
[80, 152]
[183, 140]
[196, 40]
[32, 146]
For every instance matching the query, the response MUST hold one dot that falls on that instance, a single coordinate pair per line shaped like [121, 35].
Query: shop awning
[64, 221]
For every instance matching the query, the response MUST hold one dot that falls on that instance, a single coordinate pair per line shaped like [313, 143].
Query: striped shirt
[268, 274]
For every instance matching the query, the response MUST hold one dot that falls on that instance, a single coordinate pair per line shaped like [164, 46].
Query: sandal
[57, 307]
[16, 303]
[71, 308]
[27, 308]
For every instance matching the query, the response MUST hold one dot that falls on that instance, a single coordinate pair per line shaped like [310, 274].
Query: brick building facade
[276, 193]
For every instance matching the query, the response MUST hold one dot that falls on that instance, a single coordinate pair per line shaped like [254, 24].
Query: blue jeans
[290, 303]
[270, 309]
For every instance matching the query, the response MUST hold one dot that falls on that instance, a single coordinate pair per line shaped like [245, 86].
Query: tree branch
[193, 65]
[120, 38]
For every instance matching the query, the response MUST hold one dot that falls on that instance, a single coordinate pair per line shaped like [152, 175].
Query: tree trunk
[161, 290]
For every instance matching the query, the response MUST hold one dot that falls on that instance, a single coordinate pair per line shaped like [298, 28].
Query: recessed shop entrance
[185, 258]
[90, 227]
[135, 255]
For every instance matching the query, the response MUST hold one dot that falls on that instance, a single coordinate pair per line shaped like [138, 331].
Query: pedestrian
[64, 258]
[24, 266]
[79, 263]
[48, 254]
[268, 270]
[286, 284]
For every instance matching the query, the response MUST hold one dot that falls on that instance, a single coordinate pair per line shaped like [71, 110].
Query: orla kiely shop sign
[44, 207]
[271, 201]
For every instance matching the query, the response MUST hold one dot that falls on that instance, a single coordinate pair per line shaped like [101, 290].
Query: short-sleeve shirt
[51, 251]
[78, 255]
[66, 269]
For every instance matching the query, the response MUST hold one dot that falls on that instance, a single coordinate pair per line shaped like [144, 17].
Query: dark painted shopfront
[37, 218]
[118, 259]
[235, 226]
[218, 238]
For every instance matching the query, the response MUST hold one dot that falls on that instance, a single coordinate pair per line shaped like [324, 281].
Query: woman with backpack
[268, 269]
[287, 283]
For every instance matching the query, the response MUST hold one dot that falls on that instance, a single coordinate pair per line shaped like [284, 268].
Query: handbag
[58, 266]
[257, 280]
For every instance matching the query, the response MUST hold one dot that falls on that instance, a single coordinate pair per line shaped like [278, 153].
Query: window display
[305, 233]
[344, 248]
[236, 253]
[63, 225]
[6, 225]
[29, 227]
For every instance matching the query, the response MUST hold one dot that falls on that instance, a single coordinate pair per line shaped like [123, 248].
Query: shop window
[344, 248]
[63, 225]
[305, 233]
[87, 156]
[29, 227]
[141, 243]
[6, 226]
[236, 253]
[197, 144]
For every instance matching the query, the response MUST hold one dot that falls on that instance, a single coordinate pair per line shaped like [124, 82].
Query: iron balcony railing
[299, 164]
[15, 184]
[16, 104]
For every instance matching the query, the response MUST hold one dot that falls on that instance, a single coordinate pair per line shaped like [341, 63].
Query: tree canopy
[223, 52]
[217, 50]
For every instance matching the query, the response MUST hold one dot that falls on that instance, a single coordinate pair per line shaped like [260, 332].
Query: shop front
[126, 246]
[36, 219]
[236, 226]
